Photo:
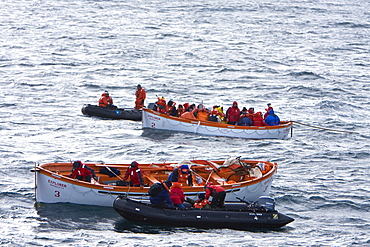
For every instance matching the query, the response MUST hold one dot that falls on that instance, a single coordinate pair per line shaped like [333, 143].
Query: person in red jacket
[233, 114]
[82, 172]
[140, 97]
[134, 173]
[269, 107]
[258, 119]
[177, 195]
[105, 100]
[218, 195]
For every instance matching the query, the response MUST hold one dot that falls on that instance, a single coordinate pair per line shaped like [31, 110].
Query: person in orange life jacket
[213, 114]
[105, 100]
[140, 97]
[163, 197]
[244, 119]
[161, 105]
[269, 107]
[181, 174]
[258, 119]
[82, 172]
[189, 114]
[171, 108]
[272, 119]
[250, 114]
[202, 202]
[202, 113]
[186, 106]
[180, 110]
[233, 114]
[218, 195]
[177, 195]
[134, 173]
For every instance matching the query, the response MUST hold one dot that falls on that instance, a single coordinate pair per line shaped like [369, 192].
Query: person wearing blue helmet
[182, 174]
[272, 119]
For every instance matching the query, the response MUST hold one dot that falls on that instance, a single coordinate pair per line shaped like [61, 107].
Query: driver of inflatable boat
[160, 195]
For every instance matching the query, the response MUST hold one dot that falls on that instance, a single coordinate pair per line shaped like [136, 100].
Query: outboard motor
[266, 203]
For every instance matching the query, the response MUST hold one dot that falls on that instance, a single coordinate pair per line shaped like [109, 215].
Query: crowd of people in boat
[168, 193]
[233, 115]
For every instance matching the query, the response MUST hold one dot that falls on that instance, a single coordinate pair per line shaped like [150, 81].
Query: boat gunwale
[284, 124]
[114, 188]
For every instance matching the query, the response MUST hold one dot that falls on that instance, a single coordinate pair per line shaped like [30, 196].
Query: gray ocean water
[310, 59]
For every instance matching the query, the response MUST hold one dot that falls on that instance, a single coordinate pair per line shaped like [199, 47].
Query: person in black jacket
[160, 194]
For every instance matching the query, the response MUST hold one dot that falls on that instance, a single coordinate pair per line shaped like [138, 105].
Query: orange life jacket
[140, 97]
[162, 106]
[183, 178]
[201, 204]
[202, 115]
[105, 100]
[188, 115]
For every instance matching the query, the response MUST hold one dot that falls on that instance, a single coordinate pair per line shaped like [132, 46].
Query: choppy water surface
[310, 59]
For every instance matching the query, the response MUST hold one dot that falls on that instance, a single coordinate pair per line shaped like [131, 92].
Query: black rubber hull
[111, 113]
[235, 216]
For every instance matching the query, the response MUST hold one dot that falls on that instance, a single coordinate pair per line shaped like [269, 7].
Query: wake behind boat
[246, 179]
[237, 215]
[155, 120]
[112, 112]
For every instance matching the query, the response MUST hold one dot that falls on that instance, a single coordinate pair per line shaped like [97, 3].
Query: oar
[209, 176]
[343, 131]
[108, 168]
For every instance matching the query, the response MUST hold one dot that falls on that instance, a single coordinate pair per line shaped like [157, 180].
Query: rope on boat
[316, 127]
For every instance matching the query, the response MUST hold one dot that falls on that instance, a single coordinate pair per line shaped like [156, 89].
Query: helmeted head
[106, 93]
[134, 164]
[76, 164]
[184, 169]
[235, 104]
[138, 86]
[251, 110]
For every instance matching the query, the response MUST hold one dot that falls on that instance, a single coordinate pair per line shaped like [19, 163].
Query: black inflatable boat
[235, 215]
[112, 112]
